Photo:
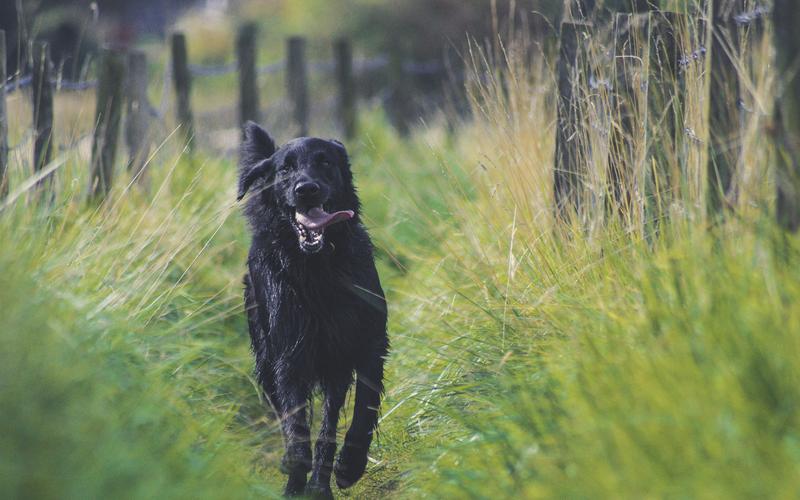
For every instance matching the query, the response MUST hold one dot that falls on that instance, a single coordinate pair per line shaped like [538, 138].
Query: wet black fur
[315, 319]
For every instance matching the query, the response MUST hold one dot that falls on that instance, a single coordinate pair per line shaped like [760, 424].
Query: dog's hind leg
[320, 485]
[369, 386]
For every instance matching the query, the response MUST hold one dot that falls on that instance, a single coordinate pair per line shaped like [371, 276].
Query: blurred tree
[75, 28]
[431, 34]
[432, 28]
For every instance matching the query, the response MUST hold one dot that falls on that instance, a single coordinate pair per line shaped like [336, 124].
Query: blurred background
[428, 39]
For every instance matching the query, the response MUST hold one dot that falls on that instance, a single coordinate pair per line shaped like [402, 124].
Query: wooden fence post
[346, 83]
[786, 19]
[137, 116]
[297, 82]
[665, 113]
[3, 120]
[42, 110]
[108, 117]
[627, 135]
[400, 99]
[182, 78]
[248, 87]
[570, 155]
[579, 10]
[725, 134]
[630, 6]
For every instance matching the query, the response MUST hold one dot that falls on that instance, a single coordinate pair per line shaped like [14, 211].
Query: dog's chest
[329, 335]
[321, 312]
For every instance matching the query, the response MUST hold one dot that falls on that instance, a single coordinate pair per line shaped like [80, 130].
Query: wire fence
[216, 123]
[360, 65]
[758, 13]
[26, 81]
[18, 82]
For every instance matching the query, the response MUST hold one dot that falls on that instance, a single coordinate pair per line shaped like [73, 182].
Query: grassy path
[524, 364]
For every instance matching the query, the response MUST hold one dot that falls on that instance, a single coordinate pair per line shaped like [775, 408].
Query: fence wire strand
[199, 71]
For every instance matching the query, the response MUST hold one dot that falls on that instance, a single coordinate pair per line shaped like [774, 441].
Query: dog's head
[306, 183]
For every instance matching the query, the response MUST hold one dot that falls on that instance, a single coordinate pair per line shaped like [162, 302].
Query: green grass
[529, 359]
[116, 372]
[524, 364]
[622, 373]
[126, 368]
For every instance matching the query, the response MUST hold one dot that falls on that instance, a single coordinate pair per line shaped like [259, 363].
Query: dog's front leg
[319, 487]
[296, 462]
[369, 386]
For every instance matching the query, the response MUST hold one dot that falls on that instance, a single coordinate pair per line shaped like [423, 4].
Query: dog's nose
[304, 189]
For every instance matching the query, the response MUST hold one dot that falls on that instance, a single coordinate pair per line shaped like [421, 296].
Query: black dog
[314, 302]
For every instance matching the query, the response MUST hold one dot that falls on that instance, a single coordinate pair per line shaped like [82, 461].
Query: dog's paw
[350, 465]
[296, 462]
[296, 485]
[317, 491]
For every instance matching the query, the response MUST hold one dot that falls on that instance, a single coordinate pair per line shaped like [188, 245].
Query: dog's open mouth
[310, 226]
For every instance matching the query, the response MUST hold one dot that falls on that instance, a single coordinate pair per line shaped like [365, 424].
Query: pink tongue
[317, 218]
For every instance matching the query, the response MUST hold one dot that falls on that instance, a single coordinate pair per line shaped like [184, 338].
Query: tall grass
[114, 330]
[126, 368]
[597, 362]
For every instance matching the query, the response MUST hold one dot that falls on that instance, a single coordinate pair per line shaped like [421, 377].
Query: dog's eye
[322, 160]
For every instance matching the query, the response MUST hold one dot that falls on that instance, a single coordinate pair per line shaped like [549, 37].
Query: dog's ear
[257, 144]
[254, 156]
[247, 178]
[340, 148]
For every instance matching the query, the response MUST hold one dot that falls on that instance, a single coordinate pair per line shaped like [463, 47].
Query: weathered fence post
[182, 78]
[570, 154]
[725, 145]
[297, 82]
[577, 10]
[627, 135]
[630, 6]
[400, 99]
[248, 88]
[665, 113]
[42, 109]
[3, 119]
[137, 115]
[108, 117]
[347, 91]
[786, 20]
